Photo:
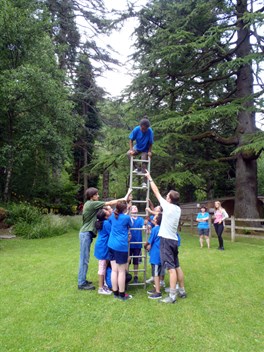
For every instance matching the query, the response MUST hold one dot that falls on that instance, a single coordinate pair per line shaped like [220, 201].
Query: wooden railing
[230, 224]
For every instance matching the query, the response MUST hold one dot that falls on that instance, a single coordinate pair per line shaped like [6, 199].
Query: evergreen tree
[195, 63]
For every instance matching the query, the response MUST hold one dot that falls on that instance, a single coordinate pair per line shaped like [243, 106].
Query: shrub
[3, 214]
[23, 212]
[49, 226]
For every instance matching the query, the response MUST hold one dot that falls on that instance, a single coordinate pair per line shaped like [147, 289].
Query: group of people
[219, 217]
[115, 227]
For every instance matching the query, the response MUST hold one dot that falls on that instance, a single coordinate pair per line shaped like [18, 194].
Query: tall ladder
[135, 181]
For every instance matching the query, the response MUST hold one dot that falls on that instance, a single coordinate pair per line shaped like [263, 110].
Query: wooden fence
[232, 224]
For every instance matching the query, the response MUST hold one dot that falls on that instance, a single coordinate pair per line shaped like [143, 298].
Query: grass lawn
[42, 310]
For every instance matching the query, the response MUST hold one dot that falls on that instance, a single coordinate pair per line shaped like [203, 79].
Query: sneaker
[136, 171]
[182, 294]
[86, 287]
[168, 300]
[135, 280]
[144, 185]
[156, 295]
[150, 280]
[88, 282]
[150, 292]
[125, 298]
[104, 291]
[162, 284]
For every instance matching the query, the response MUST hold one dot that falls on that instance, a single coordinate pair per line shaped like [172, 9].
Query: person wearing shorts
[136, 239]
[203, 226]
[168, 237]
[118, 249]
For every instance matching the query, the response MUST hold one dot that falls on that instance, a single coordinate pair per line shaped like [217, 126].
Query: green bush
[49, 226]
[23, 212]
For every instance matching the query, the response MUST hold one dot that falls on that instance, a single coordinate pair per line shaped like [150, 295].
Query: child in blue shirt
[153, 246]
[203, 226]
[118, 249]
[136, 239]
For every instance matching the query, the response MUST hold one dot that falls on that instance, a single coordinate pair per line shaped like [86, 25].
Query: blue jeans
[86, 238]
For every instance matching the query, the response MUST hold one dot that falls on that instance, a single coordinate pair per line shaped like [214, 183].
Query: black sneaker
[150, 292]
[86, 287]
[88, 282]
[135, 280]
[156, 295]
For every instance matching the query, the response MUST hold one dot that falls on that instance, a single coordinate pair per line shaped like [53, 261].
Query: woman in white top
[219, 216]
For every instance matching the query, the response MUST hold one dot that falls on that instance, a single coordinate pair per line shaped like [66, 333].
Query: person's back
[170, 220]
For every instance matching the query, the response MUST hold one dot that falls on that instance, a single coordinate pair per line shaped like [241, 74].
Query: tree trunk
[105, 184]
[85, 175]
[246, 168]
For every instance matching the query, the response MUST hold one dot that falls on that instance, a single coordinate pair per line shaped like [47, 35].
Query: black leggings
[219, 228]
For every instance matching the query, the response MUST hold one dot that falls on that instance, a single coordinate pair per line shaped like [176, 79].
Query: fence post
[233, 229]
[192, 222]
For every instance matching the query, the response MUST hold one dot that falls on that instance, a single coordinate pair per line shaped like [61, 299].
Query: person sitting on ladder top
[144, 137]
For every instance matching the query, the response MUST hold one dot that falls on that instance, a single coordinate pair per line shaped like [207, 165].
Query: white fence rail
[189, 220]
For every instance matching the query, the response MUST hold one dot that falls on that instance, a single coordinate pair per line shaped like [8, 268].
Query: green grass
[42, 310]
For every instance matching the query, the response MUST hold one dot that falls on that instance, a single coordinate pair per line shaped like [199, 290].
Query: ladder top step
[143, 161]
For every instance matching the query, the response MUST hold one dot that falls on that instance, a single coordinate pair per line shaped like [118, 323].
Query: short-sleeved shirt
[143, 139]
[136, 235]
[101, 244]
[118, 239]
[170, 220]
[154, 241]
[90, 209]
[203, 224]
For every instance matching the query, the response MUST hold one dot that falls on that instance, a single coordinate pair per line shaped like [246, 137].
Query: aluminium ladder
[135, 181]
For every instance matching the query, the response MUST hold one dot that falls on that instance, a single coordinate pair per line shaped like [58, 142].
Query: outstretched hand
[129, 191]
[147, 174]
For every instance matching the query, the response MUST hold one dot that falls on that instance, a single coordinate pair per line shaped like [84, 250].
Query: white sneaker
[162, 284]
[104, 291]
[144, 185]
[135, 171]
[150, 280]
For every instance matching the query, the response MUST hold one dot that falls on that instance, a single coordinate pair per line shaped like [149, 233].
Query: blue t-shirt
[118, 239]
[204, 224]
[154, 241]
[101, 247]
[143, 139]
[136, 235]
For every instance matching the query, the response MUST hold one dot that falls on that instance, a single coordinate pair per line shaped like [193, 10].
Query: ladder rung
[143, 161]
[136, 284]
[139, 201]
[139, 187]
[139, 270]
[137, 256]
[137, 242]
[138, 228]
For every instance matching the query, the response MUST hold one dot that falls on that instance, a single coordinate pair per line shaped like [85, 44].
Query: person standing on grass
[88, 232]
[171, 213]
[219, 217]
[136, 236]
[203, 226]
[118, 249]
[103, 227]
[144, 137]
[153, 246]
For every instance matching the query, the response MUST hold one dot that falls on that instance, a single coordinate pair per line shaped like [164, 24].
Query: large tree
[35, 111]
[195, 66]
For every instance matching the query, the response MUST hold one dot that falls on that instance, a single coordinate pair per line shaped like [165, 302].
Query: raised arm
[153, 186]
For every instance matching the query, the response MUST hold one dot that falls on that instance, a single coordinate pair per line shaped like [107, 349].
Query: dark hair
[144, 122]
[203, 206]
[101, 217]
[121, 206]
[158, 219]
[174, 197]
[90, 192]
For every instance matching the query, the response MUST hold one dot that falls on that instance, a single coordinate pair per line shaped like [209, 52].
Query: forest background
[197, 69]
